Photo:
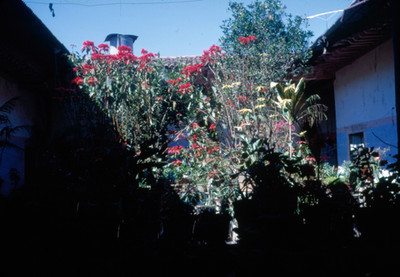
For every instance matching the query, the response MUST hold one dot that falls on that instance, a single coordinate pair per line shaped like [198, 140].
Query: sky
[167, 27]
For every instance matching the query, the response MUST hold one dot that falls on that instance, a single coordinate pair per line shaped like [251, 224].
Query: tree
[280, 48]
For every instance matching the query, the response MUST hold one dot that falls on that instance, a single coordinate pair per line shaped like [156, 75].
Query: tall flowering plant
[133, 92]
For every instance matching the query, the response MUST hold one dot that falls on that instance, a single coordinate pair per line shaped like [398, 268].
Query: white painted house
[354, 59]
[365, 102]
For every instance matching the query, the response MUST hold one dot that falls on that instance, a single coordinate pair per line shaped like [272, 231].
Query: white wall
[22, 114]
[365, 100]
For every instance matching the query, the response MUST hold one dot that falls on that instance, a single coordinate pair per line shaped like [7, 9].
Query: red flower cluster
[213, 127]
[184, 88]
[103, 47]
[212, 150]
[194, 138]
[230, 104]
[145, 58]
[195, 146]
[87, 67]
[175, 150]
[92, 81]
[177, 162]
[88, 46]
[246, 40]
[191, 70]
[174, 82]
[124, 49]
[78, 81]
[243, 98]
[210, 55]
[195, 125]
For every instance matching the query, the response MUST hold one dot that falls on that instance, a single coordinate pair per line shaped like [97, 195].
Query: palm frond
[8, 106]
[8, 131]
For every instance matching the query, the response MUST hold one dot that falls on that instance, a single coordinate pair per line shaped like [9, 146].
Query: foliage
[134, 94]
[280, 46]
[295, 110]
[7, 129]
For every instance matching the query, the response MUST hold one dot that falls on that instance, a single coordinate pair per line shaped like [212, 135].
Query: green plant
[279, 49]
[296, 110]
[7, 129]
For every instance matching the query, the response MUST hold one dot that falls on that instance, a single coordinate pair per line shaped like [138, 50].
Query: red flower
[246, 40]
[195, 125]
[174, 82]
[87, 68]
[92, 80]
[175, 149]
[243, 98]
[103, 47]
[184, 88]
[123, 49]
[196, 146]
[177, 162]
[88, 46]
[78, 81]
[191, 70]
[207, 99]
[194, 138]
[213, 127]
[159, 98]
[212, 150]
[210, 55]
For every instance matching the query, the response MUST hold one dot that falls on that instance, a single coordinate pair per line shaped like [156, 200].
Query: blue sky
[168, 27]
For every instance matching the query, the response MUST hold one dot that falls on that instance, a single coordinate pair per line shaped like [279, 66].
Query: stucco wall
[365, 101]
[22, 114]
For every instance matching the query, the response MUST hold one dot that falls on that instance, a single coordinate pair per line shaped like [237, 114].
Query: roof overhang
[362, 27]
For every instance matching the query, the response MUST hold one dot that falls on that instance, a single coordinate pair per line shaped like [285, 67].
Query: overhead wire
[112, 3]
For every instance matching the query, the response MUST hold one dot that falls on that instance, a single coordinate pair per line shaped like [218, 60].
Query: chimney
[117, 40]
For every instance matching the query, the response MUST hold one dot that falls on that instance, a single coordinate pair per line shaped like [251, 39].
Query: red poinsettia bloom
[213, 127]
[184, 88]
[78, 81]
[92, 81]
[246, 40]
[174, 82]
[210, 55]
[194, 138]
[196, 146]
[88, 46]
[175, 149]
[124, 49]
[212, 150]
[177, 162]
[191, 70]
[103, 47]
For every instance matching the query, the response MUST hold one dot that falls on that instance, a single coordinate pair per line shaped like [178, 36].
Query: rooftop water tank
[117, 40]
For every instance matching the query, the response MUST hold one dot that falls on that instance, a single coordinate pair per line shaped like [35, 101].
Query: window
[356, 140]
